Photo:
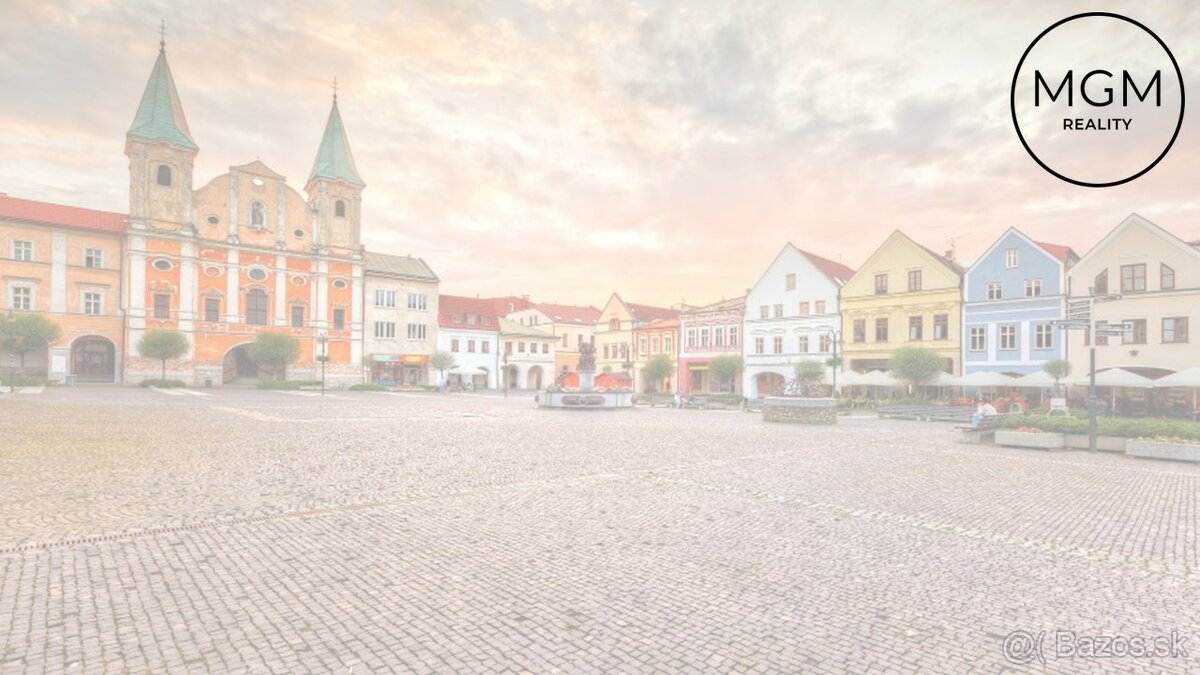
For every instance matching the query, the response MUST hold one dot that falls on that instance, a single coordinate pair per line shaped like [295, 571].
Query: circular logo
[1097, 99]
[1022, 648]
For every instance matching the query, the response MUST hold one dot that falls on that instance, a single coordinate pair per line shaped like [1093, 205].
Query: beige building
[1158, 278]
[526, 355]
[400, 318]
[615, 350]
[569, 325]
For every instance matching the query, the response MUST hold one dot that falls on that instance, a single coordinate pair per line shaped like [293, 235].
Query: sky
[565, 150]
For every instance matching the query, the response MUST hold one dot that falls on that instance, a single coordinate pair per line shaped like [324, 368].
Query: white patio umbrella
[467, 370]
[878, 378]
[987, 378]
[850, 378]
[1189, 377]
[1036, 379]
[946, 380]
[1116, 377]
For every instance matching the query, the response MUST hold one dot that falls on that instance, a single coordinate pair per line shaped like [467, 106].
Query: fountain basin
[585, 400]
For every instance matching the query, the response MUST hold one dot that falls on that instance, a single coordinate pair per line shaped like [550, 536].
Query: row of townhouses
[246, 253]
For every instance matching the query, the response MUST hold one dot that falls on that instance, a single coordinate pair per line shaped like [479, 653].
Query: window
[22, 250]
[339, 284]
[297, 316]
[1033, 288]
[1133, 278]
[880, 284]
[470, 346]
[566, 342]
[804, 309]
[508, 347]
[916, 327]
[258, 215]
[703, 337]
[778, 311]
[21, 297]
[1175, 329]
[339, 209]
[93, 302]
[778, 344]
[995, 290]
[1100, 285]
[733, 336]
[1043, 336]
[914, 280]
[803, 349]
[643, 346]
[860, 330]
[162, 306]
[819, 306]
[1166, 277]
[339, 319]
[978, 338]
[1008, 337]
[1135, 332]
[667, 344]
[212, 310]
[485, 347]
[1011, 258]
[718, 336]
[654, 344]
[471, 319]
[386, 299]
[454, 344]
[162, 265]
[417, 301]
[1101, 334]
[691, 338]
[759, 347]
[881, 330]
[789, 282]
[614, 324]
[941, 327]
[256, 307]
[826, 344]
[545, 347]
[162, 175]
[606, 351]
[520, 347]
[257, 274]
[93, 257]
[764, 312]
[416, 331]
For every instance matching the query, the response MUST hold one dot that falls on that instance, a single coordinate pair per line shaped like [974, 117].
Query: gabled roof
[509, 327]
[647, 313]
[671, 322]
[500, 305]
[738, 303]
[454, 310]
[1135, 219]
[950, 264]
[159, 116]
[43, 213]
[836, 272]
[1065, 254]
[334, 159]
[257, 168]
[568, 313]
[398, 266]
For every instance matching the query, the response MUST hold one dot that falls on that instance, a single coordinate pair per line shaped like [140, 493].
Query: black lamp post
[323, 338]
[504, 358]
[9, 344]
[835, 337]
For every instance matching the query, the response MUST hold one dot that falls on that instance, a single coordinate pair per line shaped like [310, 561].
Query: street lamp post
[10, 343]
[323, 338]
[504, 358]
[835, 338]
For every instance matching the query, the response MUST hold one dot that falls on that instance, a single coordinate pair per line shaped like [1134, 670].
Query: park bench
[695, 402]
[937, 413]
[987, 428]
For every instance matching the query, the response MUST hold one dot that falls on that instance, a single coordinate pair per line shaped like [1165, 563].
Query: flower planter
[1106, 443]
[797, 410]
[1028, 439]
[1179, 452]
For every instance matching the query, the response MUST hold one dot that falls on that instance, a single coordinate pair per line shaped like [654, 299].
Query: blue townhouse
[1011, 295]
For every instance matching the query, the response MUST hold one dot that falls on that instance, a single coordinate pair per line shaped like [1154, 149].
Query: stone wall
[800, 410]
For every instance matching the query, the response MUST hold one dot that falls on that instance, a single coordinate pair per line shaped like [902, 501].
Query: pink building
[705, 333]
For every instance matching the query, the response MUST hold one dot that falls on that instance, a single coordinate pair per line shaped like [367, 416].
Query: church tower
[335, 190]
[161, 154]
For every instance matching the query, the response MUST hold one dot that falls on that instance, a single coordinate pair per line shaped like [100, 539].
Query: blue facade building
[1011, 295]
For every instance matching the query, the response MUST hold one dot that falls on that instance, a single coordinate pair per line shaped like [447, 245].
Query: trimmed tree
[274, 350]
[29, 332]
[916, 365]
[809, 374]
[656, 370]
[725, 369]
[1059, 369]
[163, 344]
[441, 362]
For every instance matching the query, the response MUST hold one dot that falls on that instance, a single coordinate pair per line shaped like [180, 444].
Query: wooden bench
[987, 428]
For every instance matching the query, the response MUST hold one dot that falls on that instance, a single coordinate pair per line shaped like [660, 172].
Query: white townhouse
[526, 355]
[791, 315]
[400, 318]
[468, 328]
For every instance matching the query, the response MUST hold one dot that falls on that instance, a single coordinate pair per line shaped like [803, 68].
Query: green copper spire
[160, 115]
[334, 159]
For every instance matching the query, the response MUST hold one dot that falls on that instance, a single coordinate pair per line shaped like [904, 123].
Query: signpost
[1079, 316]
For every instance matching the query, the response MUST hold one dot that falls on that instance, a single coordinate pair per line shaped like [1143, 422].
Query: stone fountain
[586, 396]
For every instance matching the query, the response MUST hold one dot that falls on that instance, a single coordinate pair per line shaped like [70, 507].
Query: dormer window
[339, 208]
[258, 216]
[163, 175]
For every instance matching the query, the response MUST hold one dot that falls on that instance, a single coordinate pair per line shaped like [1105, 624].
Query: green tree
[441, 362]
[163, 344]
[1059, 369]
[916, 365]
[28, 332]
[809, 373]
[725, 369]
[656, 370]
[274, 350]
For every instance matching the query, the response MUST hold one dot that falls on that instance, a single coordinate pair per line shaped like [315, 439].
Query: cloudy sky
[565, 149]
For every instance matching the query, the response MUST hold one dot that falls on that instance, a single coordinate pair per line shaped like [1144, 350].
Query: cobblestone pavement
[246, 531]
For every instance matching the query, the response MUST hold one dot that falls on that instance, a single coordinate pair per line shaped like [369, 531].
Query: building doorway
[534, 378]
[94, 359]
[237, 366]
[769, 384]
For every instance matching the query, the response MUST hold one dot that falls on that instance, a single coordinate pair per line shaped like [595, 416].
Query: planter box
[1026, 439]
[1179, 452]
[1106, 443]
[797, 410]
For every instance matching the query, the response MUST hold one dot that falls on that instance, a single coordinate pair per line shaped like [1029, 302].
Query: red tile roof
[645, 313]
[1063, 253]
[659, 323]
[44, 213]
[835, 271]
[569, 313]
[453, 311]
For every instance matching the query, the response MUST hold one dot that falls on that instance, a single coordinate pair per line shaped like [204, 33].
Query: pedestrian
[676, 401]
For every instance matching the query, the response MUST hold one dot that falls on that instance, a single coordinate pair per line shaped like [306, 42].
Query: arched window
[163, 175]
[339, 209]
[256, 307]
[258, 215]
[614, 324]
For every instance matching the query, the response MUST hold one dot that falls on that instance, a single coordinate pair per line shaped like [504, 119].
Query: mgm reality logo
[1097, 99]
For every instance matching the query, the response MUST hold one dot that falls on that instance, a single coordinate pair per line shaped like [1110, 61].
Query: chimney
[949, 254]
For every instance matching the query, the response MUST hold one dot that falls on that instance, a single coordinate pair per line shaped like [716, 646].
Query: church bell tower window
[163, 175]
